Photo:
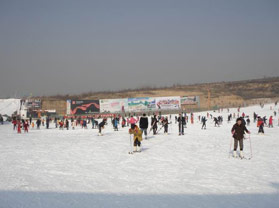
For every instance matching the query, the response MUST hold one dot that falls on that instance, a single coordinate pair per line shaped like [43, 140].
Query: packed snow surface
[78, 169]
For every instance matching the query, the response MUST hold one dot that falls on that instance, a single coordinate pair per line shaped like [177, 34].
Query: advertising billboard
[113, 105]
[79, 107]
[190, 100]
[168, 103]
[141, 104]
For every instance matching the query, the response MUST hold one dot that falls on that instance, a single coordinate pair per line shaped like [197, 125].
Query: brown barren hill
[222, 94]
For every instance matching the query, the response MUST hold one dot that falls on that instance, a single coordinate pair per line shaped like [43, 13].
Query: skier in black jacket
[102, 126]
[238, 131]
[203, 120]
[144, 124]
[154, 125]
[181, 122]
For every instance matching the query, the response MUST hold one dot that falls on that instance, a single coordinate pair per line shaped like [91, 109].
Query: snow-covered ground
[9, 106]
[77, 169]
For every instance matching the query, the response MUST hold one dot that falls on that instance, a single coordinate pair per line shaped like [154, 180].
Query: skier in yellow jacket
[137, 137]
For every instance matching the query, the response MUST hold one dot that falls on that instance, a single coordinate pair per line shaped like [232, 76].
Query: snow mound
[9, 106]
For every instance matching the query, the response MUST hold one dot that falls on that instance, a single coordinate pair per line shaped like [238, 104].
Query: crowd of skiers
[140, 125]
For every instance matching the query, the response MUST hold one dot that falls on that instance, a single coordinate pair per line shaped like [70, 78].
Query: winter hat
[239, 119]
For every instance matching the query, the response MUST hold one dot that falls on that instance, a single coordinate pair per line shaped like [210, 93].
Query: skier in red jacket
[18, 127]
[26, 125]
[270, 123]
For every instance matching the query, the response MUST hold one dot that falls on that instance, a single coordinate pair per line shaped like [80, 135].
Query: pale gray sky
[65, 46]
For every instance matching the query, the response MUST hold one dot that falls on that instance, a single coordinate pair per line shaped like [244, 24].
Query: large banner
[79, 107]
[141, 104]
[32, 103]
[168, 103]
[113, 105]
[190, 100]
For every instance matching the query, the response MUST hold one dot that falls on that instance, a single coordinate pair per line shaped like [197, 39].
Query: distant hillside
[221, 93]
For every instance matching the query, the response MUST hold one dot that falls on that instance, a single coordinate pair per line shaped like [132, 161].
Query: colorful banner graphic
[141, 104]
[168, 103]
[79, 107]
[113, 105]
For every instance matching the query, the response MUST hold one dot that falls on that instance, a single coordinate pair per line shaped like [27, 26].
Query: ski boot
[241, 155]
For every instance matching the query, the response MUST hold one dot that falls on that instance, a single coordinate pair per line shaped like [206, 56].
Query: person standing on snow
[18, 126]
[144, 124]
[260, 124]
[238, 131]
[133, 121]
[137, 137]
[181, 122]
[165, 124]
[154, 125]
[270, 123]
[203, 120]
[26, 125]
[102, 126]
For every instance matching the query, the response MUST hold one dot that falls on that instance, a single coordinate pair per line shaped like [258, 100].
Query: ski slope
[78, 169]
[9, 106]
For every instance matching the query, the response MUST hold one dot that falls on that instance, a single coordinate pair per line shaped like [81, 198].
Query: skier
[123, 123]
[102, 126]
[30, 119]
[67, 124]
[260, 124]
[264, 120]
[255, 117]
[56, 122]
[181, 122]
[61, 124]
[132, 121]
[203, 120]
[144, 124]
[216, 123]
[38, 122]
[238, 131]
[137, 137]
[270, 123]
[26, 125]
[93, 122]
[115, 123]
[47, 122]
[248, 121]
[165, 124]
[154, 125]
[14, 123]
[18, 126]
[1, 120]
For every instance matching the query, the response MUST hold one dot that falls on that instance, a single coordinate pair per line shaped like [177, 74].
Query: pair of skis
[251, 150]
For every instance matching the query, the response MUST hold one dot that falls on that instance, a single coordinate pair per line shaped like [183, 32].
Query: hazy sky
[54, 46]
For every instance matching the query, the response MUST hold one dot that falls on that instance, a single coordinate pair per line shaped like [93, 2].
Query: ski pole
[230, 147]
[131, 148]
[159, 129]
[251, 151]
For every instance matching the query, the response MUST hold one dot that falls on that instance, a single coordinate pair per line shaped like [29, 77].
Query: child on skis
[137, 137]
[238, 131]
